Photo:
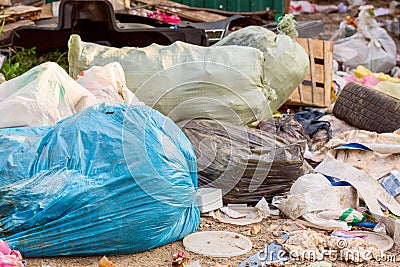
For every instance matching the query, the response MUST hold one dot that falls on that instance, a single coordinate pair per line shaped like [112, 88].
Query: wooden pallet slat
[312, 69]
[315, 90]
[328, 57]
[200, 16]
[21, 12]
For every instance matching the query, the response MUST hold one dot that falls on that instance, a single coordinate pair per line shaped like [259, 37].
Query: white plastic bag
[371, 46]
[46, 94]
[41, 96]
[108, 84]
[310, 182]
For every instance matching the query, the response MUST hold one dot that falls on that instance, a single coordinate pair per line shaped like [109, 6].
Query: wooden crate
[315, 90]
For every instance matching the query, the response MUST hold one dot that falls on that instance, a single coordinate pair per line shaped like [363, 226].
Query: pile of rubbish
[136, 146]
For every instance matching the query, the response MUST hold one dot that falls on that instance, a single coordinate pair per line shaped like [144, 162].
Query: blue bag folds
[108, 180]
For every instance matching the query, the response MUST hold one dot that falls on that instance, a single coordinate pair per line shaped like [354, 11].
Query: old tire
[368, 109]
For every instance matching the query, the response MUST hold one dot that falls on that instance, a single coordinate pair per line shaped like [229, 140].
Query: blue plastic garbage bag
[108, 180]
[17, 146]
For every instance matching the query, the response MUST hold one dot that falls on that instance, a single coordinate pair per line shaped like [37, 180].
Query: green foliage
[22, 59]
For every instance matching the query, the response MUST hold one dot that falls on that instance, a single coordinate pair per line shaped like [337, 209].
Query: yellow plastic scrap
[361, 72]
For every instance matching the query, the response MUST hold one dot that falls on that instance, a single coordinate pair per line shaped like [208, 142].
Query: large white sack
[286, 61]
[185, 81]
[371, 47]
[41, 96]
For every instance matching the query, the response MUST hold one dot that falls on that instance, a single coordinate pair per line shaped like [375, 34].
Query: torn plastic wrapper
[242, 215]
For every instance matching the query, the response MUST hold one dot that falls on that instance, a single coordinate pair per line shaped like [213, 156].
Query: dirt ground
[162, 256]
[271, 228]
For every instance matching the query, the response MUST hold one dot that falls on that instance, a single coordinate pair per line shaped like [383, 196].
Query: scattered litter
[362, 72]
[382, 160]
[365, 224]
[319, 132]
[305, 201]
[247, 215]
[93, 137]
[371, 46]
[391, 183]
[180, 259]
[217, 243]
[348, 234]
[311, 245]
[263, 206]
[345, 215]
[272, 255]
[172, 19]
[342, 8]
[255, 230]
[380, 228]
[209, 199]
[337, 126]
[9, 257]
[369, 188]
[321, 264]
[381, 241]
[104, 262]
[298, 7]
[232, 213]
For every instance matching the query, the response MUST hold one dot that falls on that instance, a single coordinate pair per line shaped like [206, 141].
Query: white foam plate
[383, 242]
[217, 243]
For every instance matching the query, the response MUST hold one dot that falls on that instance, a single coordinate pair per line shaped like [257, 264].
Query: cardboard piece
[368, 188]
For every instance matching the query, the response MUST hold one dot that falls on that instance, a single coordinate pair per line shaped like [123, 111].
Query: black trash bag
[246, 163]
[287, 128]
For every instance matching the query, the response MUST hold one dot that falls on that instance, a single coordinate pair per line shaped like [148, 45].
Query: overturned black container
[95, 21]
